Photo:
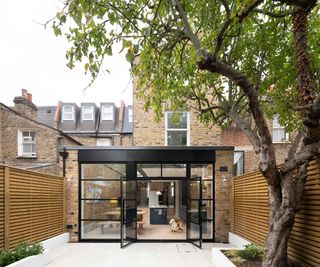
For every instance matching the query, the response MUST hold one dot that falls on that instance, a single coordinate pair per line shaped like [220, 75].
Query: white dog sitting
[176, 225]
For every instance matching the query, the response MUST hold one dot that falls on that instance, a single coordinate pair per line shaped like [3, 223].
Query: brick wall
[149, 133]
[47, 143]
[72, 193]
[222, 194]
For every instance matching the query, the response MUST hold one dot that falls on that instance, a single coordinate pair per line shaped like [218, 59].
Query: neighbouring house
[27, 143]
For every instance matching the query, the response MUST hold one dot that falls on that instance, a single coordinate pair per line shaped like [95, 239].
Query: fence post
[232, 205]
[6, 206]
[64, 204]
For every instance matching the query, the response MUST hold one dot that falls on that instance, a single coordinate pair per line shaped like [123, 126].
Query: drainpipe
[64, 154]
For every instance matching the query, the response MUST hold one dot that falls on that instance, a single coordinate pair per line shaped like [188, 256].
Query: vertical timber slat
[6, 206]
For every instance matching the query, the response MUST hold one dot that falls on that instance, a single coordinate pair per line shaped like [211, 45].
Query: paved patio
[136, 255]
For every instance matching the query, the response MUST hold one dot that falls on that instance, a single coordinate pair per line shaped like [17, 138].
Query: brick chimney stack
[121, 115]
[23, 105]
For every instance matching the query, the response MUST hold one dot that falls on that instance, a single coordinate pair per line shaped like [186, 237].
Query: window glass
[177, 138]
[238, 163]
[177, 128]
[201, 170]
[174, 170]
[148, 170]
[87, 113]
[67, 113]
[278, 131]
[107, 113]
[177, 120]
[27, 144]
[104, 142]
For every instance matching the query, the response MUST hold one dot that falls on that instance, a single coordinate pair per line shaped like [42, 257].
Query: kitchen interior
[158, 202]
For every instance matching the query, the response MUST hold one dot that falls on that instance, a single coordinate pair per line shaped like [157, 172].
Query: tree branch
[187, 28]
[294, 145]
[271, 14]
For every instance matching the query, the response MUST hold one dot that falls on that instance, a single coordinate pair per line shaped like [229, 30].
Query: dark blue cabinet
[158, 216]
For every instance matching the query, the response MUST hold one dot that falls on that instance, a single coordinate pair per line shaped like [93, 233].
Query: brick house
[27, 143]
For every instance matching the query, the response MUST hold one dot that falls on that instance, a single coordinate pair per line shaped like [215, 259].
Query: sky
[33, 58]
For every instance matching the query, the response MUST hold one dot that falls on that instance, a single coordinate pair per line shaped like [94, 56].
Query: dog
[176, 225]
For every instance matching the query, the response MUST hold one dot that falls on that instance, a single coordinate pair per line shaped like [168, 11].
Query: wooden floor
[159, 231]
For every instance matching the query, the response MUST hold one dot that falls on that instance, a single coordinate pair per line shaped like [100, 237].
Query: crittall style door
[194, 216]
[128, 211]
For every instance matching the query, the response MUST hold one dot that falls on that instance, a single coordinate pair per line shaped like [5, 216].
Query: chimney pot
[29, 97]
[24, 93]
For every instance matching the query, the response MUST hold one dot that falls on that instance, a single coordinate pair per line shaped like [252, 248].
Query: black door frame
[133, 155]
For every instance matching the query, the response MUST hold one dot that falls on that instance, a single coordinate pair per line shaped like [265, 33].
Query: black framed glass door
[194, 214]
[128, 211]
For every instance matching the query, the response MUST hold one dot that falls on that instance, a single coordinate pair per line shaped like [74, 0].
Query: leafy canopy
[259, 45]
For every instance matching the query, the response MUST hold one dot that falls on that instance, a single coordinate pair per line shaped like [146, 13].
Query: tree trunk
[280, 226]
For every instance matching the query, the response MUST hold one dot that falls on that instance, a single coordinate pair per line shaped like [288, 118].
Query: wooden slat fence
[32, 206]
[250, 212]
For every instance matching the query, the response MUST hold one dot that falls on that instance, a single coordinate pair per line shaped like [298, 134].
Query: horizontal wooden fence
[32, 206]
[250, 212]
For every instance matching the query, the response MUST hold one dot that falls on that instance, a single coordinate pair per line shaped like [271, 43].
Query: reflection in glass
[207, 210]
[100, 189]
[177, 138]
[207, 189]
[194, 189]
[148, 170]
[101, 209]
[178, 120]
[100, 229]
[103, 171]
[128, 232]
[174, 170]
[129, 189]
[193, 211]
[201, 170]
[207, 230]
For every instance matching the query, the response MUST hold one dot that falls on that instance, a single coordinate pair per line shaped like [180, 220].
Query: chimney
[24, 106]
[121, 115]
[57, 115]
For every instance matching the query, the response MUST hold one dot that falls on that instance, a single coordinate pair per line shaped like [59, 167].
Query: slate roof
[45, 115]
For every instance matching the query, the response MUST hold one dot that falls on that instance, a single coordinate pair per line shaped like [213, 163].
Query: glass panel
[128, 233]
[207, 230]
[100, 229]
[193, 212]
[207, 189]
[129, 189]
[177, 120]
[101, 189]
[202, 170]
[238, 163]
[174, 170]
[194, 189]
[130, 211]
[177, 138]
[148, 170]
[101, 209]
[207, 210]
[194, 231]
[103, 171]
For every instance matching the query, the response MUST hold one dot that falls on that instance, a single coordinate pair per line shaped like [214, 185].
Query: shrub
[251, 252]
[21, 251]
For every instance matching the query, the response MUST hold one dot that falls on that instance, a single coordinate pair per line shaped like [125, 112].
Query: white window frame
[276, 128]
[175, 129]
[105, 116]
[87, 113]
[130, 115]
[21, 142]
[64, 113]
[104, 139]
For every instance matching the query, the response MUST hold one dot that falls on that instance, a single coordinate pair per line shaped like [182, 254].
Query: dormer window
[130, 114]
[87, 113]
[107, 113]
[68, 113]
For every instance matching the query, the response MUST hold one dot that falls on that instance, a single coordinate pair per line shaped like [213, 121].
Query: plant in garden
[250, 252]
[21, 251]
[233, 61]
